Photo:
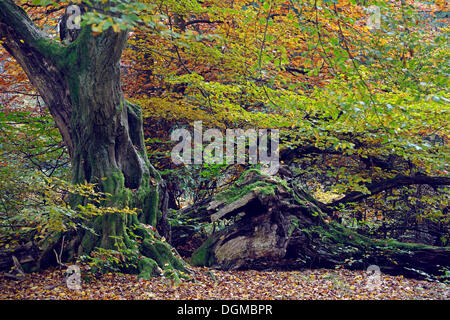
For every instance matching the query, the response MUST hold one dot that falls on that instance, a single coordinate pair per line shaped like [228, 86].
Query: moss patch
[161, 252]
[148, 268]
[203, 256]
[236, 192]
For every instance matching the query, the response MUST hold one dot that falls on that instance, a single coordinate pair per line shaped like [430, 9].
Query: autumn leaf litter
[323, 284]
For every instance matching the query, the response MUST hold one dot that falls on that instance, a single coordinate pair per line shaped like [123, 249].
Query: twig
[58, 257]
[18, 266]
[12, 276]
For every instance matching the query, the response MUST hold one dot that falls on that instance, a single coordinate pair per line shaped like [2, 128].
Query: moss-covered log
[277, 225]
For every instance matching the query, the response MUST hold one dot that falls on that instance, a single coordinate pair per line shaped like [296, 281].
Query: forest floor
[322, 284]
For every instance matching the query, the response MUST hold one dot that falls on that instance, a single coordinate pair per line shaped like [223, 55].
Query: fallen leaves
[315, 284]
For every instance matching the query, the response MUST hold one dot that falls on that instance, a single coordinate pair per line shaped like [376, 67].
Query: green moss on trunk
[203, 256]
[162, 253]
[148, 268]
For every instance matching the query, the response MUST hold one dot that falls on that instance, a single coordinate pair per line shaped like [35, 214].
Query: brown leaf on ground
[323, 284]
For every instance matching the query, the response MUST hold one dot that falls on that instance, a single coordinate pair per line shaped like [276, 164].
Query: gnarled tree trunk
[277, 225]
[80, 84]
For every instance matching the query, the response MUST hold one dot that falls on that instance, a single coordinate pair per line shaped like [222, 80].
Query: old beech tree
[80, 84]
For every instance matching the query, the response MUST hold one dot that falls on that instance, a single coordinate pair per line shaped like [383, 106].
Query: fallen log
[23, 256]
[278, 225]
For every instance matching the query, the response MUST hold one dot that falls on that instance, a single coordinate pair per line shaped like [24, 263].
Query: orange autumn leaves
[323, 284]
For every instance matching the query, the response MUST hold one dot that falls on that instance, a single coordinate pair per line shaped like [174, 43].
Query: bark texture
[80, 84]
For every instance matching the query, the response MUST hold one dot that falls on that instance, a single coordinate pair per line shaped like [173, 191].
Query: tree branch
[398, 181]
[32, 48]
[14, 18]
[201, 21]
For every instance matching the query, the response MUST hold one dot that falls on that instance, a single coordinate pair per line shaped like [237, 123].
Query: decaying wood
[278, 226]
[231, 208]
[14, 260]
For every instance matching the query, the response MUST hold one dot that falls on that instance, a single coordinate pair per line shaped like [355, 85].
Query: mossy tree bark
[80, 84]
[278, 225]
